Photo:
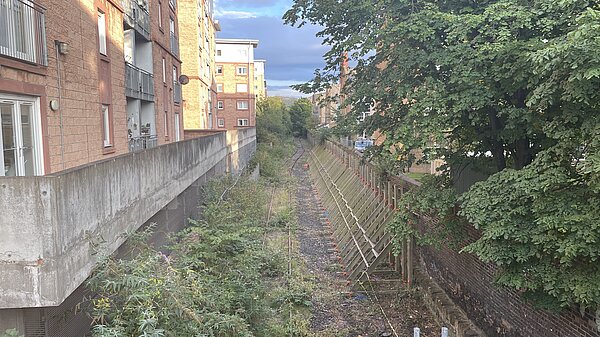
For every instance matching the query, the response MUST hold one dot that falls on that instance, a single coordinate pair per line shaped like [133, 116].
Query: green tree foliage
[512, 81]
[301, 115]
[273, 121]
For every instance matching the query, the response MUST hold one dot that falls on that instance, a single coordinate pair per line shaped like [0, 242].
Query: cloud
[235, 14]
[284, 91]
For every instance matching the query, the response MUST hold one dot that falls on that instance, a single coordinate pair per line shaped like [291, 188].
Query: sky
[292, 54]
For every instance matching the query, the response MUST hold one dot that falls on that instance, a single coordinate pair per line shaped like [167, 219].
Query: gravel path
[335, 312]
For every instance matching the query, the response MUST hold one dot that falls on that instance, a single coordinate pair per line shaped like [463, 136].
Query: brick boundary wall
[469, 282]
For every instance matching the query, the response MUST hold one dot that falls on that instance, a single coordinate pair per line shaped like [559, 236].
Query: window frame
[243, 101]
[102, 33]
[219, 67]
[240, 122]
[220, 105]
[244, 73]
[221, 122]
[221, 86]
[107, 126]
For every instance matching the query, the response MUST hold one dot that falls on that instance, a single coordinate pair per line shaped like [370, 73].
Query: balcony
[138, 83]
[173, 4]
[137, 17]
[142, 143]
[23, 31]
[176, 92]
[174, 44]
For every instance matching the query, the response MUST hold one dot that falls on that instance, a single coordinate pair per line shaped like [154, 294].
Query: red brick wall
[230, 112]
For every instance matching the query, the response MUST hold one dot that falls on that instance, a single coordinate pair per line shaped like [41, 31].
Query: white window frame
[239, 87]
[242, 107]
[106, 127]
[241, 70]
[219, 68]
[160, 21]
[164, 70]
[243, 122]
[102, 45]
[220, 105]
[219, 52]
[36, 127]
[219, 85]
[177, 128]
[221, 122]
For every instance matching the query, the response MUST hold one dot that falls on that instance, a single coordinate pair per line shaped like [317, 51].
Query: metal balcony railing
[176, 92]
[142, 143]
[137, 16]
[173, 4]
[23, 31]
[174, 44]
[138, 83]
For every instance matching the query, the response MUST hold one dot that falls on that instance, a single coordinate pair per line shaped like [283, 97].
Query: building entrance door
[20, 137]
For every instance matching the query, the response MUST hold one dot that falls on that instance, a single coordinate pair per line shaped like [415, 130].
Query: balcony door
[20, 136]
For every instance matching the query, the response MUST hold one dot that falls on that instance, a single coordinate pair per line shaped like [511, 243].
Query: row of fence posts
[389, 192]
[417, 332]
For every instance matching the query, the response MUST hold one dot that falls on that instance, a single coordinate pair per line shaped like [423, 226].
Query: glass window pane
[28, 139]
[8, 139]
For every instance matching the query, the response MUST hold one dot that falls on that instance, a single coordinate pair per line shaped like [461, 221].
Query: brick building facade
[198, 55]
[78, 81]
[236, 99]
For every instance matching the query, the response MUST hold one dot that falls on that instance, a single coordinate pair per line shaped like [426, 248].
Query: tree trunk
[497, 148]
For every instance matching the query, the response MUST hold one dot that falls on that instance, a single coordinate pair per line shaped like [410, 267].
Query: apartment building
[326, 105]
[198, 55]
[260, 84]
[78, 81]
[236, 100]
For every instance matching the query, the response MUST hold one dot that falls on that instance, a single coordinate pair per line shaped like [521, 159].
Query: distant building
[326, 105]
[236, 100]
[260, 84]
[198, 56]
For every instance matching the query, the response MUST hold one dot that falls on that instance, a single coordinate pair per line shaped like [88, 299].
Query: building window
[20, 136]
[177, 121]
[160, 23]
[219, 87]
[241, 70]
[219, 70]
[219, 52]
[242, 105]
[221, 122]
[242, 122]
[166, 123]
[220, 105]
[241, 87]
[164, 70]
[102, 32]
[106, 125]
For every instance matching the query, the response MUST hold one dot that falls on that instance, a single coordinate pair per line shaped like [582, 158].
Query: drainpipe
[60, 114]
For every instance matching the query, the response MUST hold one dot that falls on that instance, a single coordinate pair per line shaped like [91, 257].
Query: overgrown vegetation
[508, 82]
[226, 274]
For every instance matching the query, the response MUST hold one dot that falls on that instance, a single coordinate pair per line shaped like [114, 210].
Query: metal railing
[137, 16]
[142, 143]
[176, 92]
[173, 4]
[174, 44]
[23, 31]
[138, 83]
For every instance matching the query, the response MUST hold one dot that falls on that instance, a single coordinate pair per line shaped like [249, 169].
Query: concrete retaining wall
[47, 223]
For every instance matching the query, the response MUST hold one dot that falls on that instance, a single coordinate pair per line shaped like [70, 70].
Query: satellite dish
[183, 79]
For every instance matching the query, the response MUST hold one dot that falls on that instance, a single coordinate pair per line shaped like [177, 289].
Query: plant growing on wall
[511, 82]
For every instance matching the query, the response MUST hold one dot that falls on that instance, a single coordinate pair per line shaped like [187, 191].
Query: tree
[511, 82]
[272, 120]
[301, 115]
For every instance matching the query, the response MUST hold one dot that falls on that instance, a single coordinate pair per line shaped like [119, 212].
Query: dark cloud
[292, 54]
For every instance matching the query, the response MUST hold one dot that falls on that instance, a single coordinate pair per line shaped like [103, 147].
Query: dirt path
[336, 312]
